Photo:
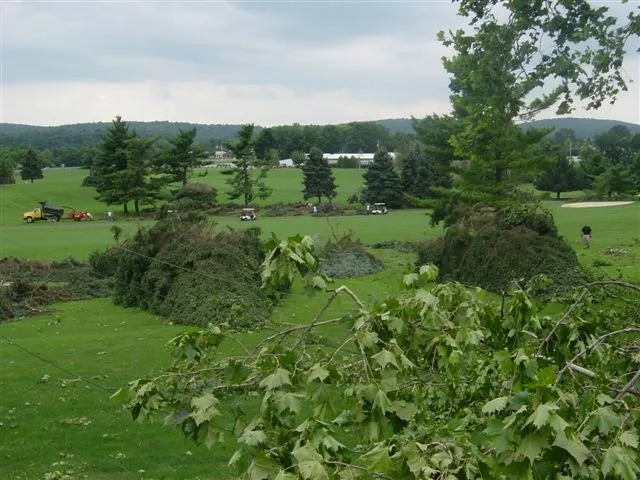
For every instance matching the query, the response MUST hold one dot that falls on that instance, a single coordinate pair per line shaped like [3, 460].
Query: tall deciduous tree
[522, 58]
[381, 181]
[318, 179]
[618, 178]
[246, 183]
[31, 166]
[181, 156]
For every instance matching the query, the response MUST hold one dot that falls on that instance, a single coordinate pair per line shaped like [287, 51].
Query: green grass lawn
[51, 421]
[48, 416]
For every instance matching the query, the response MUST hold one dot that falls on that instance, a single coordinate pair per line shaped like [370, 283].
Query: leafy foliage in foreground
[438, 383]
[180, 270]
[491, 247]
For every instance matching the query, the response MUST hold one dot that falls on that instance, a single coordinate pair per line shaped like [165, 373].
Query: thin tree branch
[628, 386]
[571, 363]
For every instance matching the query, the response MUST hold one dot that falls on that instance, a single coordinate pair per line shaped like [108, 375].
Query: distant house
[286, 163]
[363, 159]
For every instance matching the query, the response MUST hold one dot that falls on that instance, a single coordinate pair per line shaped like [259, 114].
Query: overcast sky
[268, 63]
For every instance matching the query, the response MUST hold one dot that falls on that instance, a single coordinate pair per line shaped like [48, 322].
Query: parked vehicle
[78, 215]
[44, 212]
[248, 214]
[378, 209]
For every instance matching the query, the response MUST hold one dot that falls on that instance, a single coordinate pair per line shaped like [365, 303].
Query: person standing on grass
[586, 236]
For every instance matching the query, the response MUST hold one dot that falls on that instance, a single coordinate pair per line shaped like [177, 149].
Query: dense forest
[74, 145]
[87, 134]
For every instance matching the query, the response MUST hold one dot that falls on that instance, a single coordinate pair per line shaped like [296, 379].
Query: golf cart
[379, 209]
[248, 214]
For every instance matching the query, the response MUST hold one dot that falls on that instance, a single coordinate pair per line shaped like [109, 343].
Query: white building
[363, 159]
[286, 163]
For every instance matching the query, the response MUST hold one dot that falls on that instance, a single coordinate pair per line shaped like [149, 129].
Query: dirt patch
[594, 204]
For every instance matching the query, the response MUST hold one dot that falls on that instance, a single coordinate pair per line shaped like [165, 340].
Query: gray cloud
[290, 61]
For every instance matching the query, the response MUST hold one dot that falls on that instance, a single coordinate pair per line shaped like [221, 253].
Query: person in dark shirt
[586, 236]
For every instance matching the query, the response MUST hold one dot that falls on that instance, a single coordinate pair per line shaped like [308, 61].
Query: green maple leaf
[318, 372]
[403, 410]
[253, 438]
[204, 408]
[540, 416]
[574, 447]
[310, 463]
[605, 419]
[382, 402]
[495, 405]
[277, 379]
[629, 439]
[622, 461]
[384, 358]
[531, 446]
[285, 401]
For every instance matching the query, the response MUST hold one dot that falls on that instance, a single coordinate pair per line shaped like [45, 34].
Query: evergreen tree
[108, 170]
[420, 173]
[381, 182]
[181, 156]
[245, 183]
[6, 171]
[318, 179]
[31, 166]
[135, 183]
[561, 176]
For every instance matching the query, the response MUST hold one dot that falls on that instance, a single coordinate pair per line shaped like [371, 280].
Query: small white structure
[363, 159]
[286, 163]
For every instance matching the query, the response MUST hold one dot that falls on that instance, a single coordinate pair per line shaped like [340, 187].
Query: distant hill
[87, 134]
[584, 128]
[397, 125]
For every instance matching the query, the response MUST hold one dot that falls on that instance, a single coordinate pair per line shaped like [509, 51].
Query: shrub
[286, 209]
[346, 259]
[490, 248]
[202, 195]
[27, 287]
[181, 270]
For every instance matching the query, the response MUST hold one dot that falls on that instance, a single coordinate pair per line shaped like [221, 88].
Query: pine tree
[318, 179]
[111, 162]
[245, 184]
[31, 167]
[420, 173]
[562, 176]
[136, 184]
[381, 182]
[181, 156]
[6, 171]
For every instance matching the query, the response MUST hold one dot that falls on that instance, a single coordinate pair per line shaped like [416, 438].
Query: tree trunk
[557, 195]
[184, 177]
[136, 207]
[125, 207]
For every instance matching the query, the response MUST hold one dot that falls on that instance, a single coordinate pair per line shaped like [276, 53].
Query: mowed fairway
[53, 421]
